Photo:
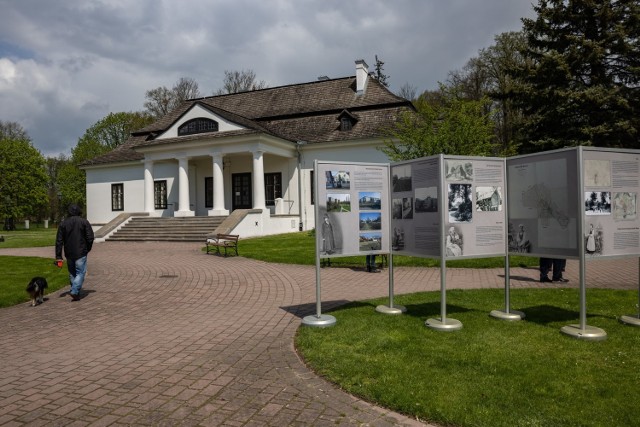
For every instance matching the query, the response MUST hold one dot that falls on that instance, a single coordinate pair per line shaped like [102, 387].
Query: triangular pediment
[200, 115]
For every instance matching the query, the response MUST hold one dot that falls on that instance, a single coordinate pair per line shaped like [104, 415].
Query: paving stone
[167, 335]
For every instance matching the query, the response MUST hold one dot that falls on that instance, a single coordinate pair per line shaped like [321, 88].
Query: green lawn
[34, 237]
[16, 272]
[491, 372]
[299, 248]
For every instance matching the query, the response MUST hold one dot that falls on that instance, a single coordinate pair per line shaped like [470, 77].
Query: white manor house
[247, 157]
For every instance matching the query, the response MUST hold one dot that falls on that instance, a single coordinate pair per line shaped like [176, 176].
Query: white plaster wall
[262, 224]
[99, 191]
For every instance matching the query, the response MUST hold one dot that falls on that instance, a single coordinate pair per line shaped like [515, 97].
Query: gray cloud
[65, 65]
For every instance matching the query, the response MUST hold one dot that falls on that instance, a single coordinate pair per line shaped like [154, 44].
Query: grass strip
[492, 372]
[16, 272]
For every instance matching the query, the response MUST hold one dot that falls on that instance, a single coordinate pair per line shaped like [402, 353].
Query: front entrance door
[241, 187]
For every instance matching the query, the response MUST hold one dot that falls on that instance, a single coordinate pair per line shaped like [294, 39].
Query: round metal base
[630, 320]
[511, 315]
[396, 309]
[321, 321]
[589, 333]
[447, 325]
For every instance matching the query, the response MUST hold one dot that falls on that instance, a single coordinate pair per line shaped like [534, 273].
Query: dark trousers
[557, 264]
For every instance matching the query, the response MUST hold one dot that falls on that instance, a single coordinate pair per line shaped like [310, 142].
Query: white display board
[611, 184]
[352, 209]
[543, 204]
[583, 196]
[456, 199]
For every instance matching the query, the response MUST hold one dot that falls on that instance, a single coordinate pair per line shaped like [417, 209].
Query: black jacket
[76, 235]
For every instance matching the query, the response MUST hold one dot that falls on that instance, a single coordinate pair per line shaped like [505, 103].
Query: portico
[217, 166]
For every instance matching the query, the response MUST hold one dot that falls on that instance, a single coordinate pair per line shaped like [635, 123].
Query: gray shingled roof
[307, 111]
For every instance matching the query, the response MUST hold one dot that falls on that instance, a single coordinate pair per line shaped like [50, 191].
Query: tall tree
[379, 72]
[53, 166]
[581, 74]
[23, 178]
[240, 81]
[408, 91]
[161, 100]
[12, 130]
[104, 136]
[487, 75]
[444, 123]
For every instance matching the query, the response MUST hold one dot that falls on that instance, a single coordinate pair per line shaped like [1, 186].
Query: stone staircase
[187, 229]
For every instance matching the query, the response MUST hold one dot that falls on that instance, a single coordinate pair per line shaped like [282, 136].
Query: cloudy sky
[66, 64]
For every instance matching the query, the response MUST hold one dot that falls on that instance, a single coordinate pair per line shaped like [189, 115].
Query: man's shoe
[562, 279]
[545, 280]
[75, 297]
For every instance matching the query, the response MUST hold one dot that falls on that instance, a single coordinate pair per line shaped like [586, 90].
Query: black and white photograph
[370, 241]
[407, 207]
[338, 180]
[597, 173]
[454, 244]
[426, 199]
[489, 199]
[518, 239]
[458, 170]
[396, 209]
[329, 235]
[370, 221]
[338, 202]
[597, 203]
[624, 206]
[368, 201]
[401, 178]
[460, 203]
[397, 238]
[593, 240]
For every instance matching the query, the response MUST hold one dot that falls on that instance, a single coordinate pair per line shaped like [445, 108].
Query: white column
[258, 181]
[149, 203]
[218, 187]
[183, 188]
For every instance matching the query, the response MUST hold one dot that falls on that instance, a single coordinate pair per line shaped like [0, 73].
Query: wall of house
[99, 192]
[99, 182]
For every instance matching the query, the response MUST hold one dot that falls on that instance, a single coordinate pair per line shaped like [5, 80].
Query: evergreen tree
[581, 74]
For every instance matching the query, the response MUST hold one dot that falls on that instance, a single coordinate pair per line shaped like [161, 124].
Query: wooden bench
[226, 241]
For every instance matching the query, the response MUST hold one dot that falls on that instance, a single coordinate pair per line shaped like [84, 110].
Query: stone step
[189, 229]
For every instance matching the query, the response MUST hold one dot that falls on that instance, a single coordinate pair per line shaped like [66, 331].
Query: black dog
[36, 288]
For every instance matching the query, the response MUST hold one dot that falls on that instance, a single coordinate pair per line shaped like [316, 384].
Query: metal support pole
[443, 324]
[391, 309]
[582, 331]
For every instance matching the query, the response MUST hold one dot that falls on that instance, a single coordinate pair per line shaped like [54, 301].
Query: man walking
[76, 236]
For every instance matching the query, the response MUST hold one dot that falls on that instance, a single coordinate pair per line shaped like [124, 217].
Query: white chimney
[362, 73]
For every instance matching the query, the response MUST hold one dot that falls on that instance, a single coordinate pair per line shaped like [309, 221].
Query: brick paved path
[167, 335]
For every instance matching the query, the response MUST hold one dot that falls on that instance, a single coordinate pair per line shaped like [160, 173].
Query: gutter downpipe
[300, 222]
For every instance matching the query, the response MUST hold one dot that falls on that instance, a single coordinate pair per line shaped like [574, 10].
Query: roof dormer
[347, 121]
